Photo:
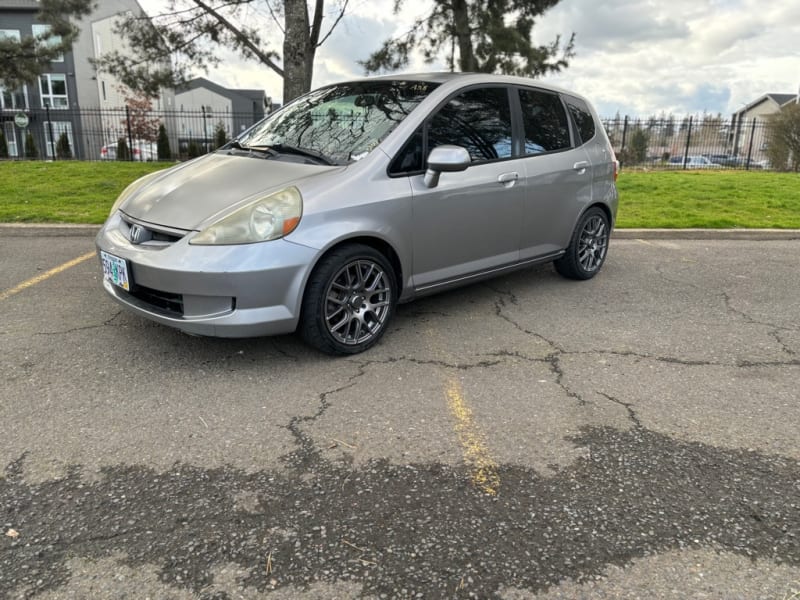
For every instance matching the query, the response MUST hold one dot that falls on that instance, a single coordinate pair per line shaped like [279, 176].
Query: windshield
[341, 123]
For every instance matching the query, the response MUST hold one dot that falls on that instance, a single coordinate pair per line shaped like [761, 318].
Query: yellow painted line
[46, 275]
[473, 442]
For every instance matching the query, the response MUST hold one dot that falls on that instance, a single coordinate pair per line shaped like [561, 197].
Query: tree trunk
[463, 36]
[298, 51]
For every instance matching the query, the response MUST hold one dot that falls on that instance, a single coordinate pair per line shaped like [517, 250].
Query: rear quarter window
[583, 118]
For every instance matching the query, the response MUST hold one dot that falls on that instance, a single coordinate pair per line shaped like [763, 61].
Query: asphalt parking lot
[634, 436]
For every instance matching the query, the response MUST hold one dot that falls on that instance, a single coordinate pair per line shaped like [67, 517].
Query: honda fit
[326, 214]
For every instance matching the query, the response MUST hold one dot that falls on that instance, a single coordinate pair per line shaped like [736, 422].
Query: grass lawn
[709, 199]
[83, 192]
[64, 191]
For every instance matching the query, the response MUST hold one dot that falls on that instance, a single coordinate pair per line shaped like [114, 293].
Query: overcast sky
[638, 57]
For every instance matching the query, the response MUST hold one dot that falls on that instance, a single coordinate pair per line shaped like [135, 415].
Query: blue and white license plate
[115, 270]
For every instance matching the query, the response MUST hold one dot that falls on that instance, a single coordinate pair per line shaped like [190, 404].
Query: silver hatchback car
[359, 195]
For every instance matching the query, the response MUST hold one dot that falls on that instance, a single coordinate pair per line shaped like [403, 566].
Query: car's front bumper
[223, 291]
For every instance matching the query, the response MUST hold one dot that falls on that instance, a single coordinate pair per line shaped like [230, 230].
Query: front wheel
[588, 247]
[349, 300]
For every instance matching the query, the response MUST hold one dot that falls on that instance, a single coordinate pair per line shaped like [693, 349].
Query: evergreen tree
[783, 131]
[637, 152]
[3, 145]
[477, 36]
[163, 149]
[63, 150]
[220, 135]
[193, 150]
[123, 153]
[30, 146]
[22, 61]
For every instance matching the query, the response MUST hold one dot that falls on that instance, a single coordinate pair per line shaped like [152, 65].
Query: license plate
[115, 270]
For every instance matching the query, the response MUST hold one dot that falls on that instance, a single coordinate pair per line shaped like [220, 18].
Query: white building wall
[190, 104]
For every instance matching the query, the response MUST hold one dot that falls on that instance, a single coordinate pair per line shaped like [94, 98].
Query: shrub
[3, 145]
[194, 149]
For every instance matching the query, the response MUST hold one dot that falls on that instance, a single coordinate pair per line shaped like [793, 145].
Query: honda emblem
[137, 234]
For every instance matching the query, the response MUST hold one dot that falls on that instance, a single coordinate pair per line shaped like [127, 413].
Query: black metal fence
[690, 143]
[94, 134]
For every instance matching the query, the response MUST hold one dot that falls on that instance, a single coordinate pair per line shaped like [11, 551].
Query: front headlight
[131, 189]
[268, 218]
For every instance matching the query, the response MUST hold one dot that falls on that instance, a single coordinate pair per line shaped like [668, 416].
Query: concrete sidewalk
[68, 230]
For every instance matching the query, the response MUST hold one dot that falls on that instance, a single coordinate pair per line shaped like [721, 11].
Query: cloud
[612, 25]
[639, 57]
[643, 57]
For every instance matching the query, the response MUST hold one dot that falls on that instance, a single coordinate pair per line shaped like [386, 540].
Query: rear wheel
[588, 247]
[349, 300]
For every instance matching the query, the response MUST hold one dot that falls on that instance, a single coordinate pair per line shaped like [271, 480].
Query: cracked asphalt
[641, 428]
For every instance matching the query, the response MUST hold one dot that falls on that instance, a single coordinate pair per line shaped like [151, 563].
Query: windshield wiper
[318, 156]
[235, 144]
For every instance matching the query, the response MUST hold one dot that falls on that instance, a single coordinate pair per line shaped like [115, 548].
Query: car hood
[190, 194]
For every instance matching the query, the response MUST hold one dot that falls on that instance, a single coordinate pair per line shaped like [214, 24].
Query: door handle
[508, 179]
[581, 166]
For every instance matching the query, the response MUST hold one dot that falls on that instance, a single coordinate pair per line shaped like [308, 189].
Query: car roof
[442, 77]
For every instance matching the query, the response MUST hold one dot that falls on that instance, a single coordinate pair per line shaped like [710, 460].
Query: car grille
[149, 234]
[165, 302]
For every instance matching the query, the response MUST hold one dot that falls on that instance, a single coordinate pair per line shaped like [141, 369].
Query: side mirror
[445, 159]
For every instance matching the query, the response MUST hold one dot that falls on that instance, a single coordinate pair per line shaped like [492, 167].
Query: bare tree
[190, 34]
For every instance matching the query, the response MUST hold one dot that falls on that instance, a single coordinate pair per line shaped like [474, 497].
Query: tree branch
[335, 23]
[275, 18]
[316, 23]
[241, 37]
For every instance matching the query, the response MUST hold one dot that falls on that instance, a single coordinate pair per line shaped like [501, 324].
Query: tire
[349, 300]
[588, 247]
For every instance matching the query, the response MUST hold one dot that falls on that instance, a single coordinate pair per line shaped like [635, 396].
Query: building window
[53, 89]
[10, 34]
[11, 138]
[58, 127]
[43, 31]
[14, 99]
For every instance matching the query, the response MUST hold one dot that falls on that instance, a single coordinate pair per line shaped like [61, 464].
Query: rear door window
[545, 122]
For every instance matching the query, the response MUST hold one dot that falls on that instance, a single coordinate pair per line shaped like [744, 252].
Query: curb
[66, 230]
[707, 234]
[47, 230]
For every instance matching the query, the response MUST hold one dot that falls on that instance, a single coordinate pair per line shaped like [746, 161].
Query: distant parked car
[726, 160]
[142, 151]
[743, 163]
[694, 162]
